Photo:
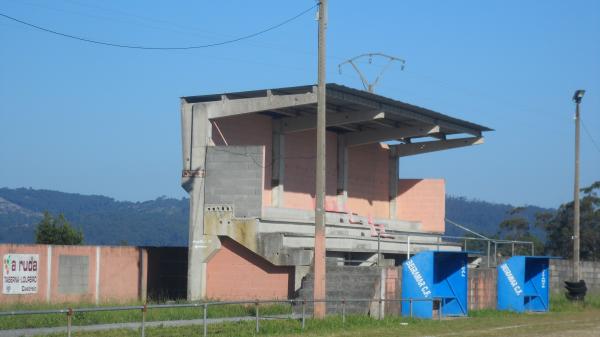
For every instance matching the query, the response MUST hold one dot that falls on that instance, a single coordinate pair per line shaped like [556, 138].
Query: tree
[517, 228]
[559, 226]
[57, 231]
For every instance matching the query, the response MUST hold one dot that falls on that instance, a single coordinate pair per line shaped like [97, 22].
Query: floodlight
[578, 95]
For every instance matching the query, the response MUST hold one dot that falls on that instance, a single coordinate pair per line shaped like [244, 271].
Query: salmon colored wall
[119, 273]
[249, 129]
[89, 251]
[423, 200]
[236, 273]
[368, 176]
[299, 176]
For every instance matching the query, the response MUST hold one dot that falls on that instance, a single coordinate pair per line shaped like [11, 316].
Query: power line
[110, 44]
[590, 135]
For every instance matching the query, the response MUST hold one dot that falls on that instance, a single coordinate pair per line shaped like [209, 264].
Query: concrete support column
[278, 165]
[394, 172]
[143, 274]
[196, 136]
[49, 274]
[342, 172]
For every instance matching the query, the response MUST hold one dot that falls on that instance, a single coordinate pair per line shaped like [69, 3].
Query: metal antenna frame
[370, 86]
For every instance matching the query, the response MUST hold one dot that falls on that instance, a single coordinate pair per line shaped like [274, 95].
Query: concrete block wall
[236, 273]
[83, 273]
[234, 175]
[562, 270]
[423, 200]
[482, 289]
[250, 129]
[349, 282]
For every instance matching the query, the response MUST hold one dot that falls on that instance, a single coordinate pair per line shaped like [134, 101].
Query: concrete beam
[381, 135]
[402, 112]
[289, 125]
[239, 106]
[404, 150]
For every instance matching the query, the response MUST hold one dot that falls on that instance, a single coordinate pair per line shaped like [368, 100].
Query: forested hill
[484, 217]
[163, 221]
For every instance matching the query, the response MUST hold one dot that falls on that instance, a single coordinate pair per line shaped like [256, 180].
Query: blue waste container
[524, 283]
[435, 279]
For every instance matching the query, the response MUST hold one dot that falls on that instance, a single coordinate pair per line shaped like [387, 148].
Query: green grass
[158, 314]
[512, 324]
[558, 305]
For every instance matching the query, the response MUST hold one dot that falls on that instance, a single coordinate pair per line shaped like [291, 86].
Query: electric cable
[590, 135]
[111, 44]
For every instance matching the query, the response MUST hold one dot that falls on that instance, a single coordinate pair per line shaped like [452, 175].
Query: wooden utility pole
[319, 291]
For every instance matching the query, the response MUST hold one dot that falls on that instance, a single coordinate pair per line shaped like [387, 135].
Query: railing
[461, 241]
[256, 303]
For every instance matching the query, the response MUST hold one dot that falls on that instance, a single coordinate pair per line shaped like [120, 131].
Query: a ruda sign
[20, 274]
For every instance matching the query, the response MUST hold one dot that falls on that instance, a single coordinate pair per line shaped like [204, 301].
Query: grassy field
[565, 320]
[89, 318]
[556, 324]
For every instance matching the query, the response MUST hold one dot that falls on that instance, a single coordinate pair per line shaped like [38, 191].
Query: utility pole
[576, 265]
[319, 291]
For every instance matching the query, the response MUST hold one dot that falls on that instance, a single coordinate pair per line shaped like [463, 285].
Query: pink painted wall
[250, 129]
[120, 272]
[118, 280]
[236, 273]
[368, 176]
[423, 200]
[90, 252]
[299, 178]
[368, 173]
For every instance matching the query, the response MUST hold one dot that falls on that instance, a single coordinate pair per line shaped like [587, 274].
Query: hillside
[163, 221]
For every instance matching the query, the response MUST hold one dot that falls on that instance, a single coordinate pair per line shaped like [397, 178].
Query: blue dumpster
[523, 284]
[435, 279]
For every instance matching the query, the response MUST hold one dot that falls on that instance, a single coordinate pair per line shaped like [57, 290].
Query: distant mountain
[164, 221]
[159, 222]
[484, 217]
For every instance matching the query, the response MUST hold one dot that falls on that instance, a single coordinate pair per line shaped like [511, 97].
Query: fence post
[495, 253]
[144, 309]
[303, 312]
[488, 253]
[380, 309]
[410, 303]
[344, 311]
[256, 309]
[204, 320]
[441, 309]
[465, 244]
[532, 249]
[378, 248]
[513, 249]
[69, 317]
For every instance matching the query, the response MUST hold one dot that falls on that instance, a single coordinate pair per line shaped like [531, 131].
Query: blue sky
[91, 119]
